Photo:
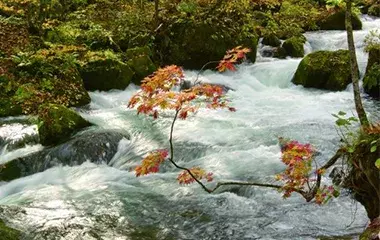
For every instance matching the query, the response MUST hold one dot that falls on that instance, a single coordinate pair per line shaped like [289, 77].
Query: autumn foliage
[158, 94]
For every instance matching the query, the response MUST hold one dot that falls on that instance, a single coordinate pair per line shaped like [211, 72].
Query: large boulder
[374, 10]
[140, 62]
[328, 70]
[294, 46]
[105, 71]
[46, 76]
[271, 40]
[371, 81]
[336, 21]
[97, 147]
[192, 44]
[57, 123]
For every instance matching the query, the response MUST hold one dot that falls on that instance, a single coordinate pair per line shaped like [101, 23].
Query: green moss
[294, 46]
[271, 40]
[142, 66]
[280, 52]
[336, 21]
[371, 81]
[324, 70]
[57, 123]
[370, 233]
[9, 107]
[137, 51]
[7, 233]
[374, 10]
[105, 71]
[364, 182]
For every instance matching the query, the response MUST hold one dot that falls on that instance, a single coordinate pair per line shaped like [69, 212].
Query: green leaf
[334, 115]
[350, 149]
[342, 122]
[373, 142]
[354, 119]
[377, 163]
[373, 148]
[341, 113]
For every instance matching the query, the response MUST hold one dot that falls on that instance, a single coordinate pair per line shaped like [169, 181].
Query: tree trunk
[156, 17]
[354, 66]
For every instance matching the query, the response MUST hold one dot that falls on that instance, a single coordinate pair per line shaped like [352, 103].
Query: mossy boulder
[9, 107]
[328, 70]
[294, 46]
[371, 81]
[336, 21]
[374, 10]
[56, 123]
[140, 62]
[105, 71]
[7, 233]
[280, 52]
[271, 40]
[193, 44]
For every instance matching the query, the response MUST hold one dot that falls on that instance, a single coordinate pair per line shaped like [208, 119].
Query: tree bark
[354, 66]
[156, 17]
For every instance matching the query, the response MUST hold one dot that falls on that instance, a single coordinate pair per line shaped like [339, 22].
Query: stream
[107, 201]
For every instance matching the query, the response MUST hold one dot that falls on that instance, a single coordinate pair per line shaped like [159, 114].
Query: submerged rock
[328, 70]
[97, 147]
[57, 123]
[336, 21]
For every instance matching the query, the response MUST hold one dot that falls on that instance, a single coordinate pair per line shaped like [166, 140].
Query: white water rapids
[108, 202]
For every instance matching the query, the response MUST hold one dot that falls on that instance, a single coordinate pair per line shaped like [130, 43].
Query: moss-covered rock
[372, 75]
[7, 233]
[280, 52]
[324, 70]
[57, 123]
[336, 21]
[371, 81]
[104, 71]
[271, 40]
[9, 107]
[374, 10]
[294, 46]
[140, 62]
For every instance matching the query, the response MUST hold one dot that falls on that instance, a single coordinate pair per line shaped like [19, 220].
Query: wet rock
[97, 147]
[328, 70]
[57, 123]
[336, 21]
[294, 46]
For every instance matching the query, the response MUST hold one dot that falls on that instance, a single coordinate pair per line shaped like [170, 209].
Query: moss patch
[324, 70]
[336, 21]
[57, 123]
[105, 71]
[7, 233]
[294, 46]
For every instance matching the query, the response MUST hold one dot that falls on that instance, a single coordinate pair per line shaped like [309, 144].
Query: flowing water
[92, 201]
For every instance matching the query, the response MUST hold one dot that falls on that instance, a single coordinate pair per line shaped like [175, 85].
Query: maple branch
[311, 194]
[219, 184]
[172, 154]
[201, 70]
